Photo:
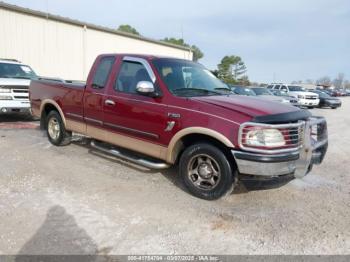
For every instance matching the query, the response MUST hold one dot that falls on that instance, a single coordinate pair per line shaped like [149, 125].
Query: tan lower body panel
[76, 126]
[134, 144]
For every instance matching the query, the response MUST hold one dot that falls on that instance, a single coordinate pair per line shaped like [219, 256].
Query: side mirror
[146, 88]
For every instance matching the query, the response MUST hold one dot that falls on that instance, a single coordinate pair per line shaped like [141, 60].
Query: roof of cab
[10, 61]
[144, 56]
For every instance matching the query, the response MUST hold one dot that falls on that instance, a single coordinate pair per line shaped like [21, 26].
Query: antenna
[47, 9]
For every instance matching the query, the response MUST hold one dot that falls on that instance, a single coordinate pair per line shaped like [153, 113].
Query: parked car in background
[15, 78]
[330, 92]
[242, 90]
[292, 99]
[264, 93]
[341, 92]
[305, 98]
[175, 112]
[326, 100]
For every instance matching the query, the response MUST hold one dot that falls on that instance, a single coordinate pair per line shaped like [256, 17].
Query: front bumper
[308, 102]
[9, 106]
[297, 163]
[333, 104]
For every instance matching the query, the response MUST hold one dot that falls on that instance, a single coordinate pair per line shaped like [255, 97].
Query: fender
[176, 143]
[52, 102]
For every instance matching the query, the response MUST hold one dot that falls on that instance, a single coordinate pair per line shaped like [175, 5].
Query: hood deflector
[283, 118]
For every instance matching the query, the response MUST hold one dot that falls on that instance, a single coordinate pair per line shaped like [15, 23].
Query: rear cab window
[102, 72]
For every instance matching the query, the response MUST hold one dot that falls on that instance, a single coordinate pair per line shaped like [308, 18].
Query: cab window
[129, 75]
[102, 72]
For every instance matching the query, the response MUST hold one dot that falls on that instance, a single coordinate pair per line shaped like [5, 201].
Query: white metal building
[61, 47]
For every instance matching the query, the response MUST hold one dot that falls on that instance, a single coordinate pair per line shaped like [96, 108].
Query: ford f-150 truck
[169, 111]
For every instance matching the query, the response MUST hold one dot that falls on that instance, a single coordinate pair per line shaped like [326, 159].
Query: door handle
[109, 102]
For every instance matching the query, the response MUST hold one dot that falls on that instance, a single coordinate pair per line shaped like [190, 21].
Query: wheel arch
[46, 106]
[192, 135]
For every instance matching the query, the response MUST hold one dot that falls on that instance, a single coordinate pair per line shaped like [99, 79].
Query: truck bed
[67, 94]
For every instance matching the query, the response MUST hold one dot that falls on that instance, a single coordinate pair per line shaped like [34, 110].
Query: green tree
[128, 29]
[231, 69]
[244, 81]
[197, 53]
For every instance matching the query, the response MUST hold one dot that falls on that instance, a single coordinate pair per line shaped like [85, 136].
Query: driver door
[130, 113]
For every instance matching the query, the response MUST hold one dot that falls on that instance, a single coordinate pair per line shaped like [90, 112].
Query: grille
[21, 97]
[16, 87]
[310, 97]
[20, 91]
[318, 131]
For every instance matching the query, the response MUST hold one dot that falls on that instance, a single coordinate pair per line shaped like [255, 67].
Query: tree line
[339, 81]
[231, 69]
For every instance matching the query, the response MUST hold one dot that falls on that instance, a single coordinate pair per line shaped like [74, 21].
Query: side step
[143, 162]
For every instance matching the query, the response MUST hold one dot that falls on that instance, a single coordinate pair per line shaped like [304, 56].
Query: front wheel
[56, 131]
[206, 172]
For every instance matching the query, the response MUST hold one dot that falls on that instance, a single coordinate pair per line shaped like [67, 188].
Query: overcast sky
[289, 39]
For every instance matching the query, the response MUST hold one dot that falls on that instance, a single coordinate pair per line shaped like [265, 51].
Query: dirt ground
[74, 200]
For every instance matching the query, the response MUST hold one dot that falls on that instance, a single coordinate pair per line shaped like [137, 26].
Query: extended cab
[170, 111]
[14, 84]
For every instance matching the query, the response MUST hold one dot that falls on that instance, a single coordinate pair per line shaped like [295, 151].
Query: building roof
[58, 18]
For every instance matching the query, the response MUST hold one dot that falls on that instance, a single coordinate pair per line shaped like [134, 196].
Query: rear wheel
[206, 172]
[56, 131]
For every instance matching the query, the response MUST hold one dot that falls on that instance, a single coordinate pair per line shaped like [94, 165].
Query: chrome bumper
[298, 162]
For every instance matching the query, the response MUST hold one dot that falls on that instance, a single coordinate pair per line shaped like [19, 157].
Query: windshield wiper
[224, 89]
[197, 89]
[21, 77]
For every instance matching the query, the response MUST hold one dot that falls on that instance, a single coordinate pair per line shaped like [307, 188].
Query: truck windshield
[296, 88]
[8, 70]
[262, 91]
[186, 79]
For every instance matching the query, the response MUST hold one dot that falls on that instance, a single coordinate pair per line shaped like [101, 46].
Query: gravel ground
[73, 200]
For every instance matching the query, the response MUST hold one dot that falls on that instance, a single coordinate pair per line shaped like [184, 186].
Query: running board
[135, 160]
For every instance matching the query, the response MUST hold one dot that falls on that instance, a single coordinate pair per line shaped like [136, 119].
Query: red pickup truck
[171, 111]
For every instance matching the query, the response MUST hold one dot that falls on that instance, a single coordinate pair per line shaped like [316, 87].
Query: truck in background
[15, 79]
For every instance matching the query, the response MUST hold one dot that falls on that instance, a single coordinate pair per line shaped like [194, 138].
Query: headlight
[265, 138]
[5, 97]
[4, 90]
[301, 96]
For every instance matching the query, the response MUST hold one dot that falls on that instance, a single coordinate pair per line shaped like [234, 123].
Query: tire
[310, 107]
[334, 108]
[206, 172]
[55, 130]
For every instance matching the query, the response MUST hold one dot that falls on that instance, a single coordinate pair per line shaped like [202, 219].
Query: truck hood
[250, 106]
[14, 82]
[302, 93]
